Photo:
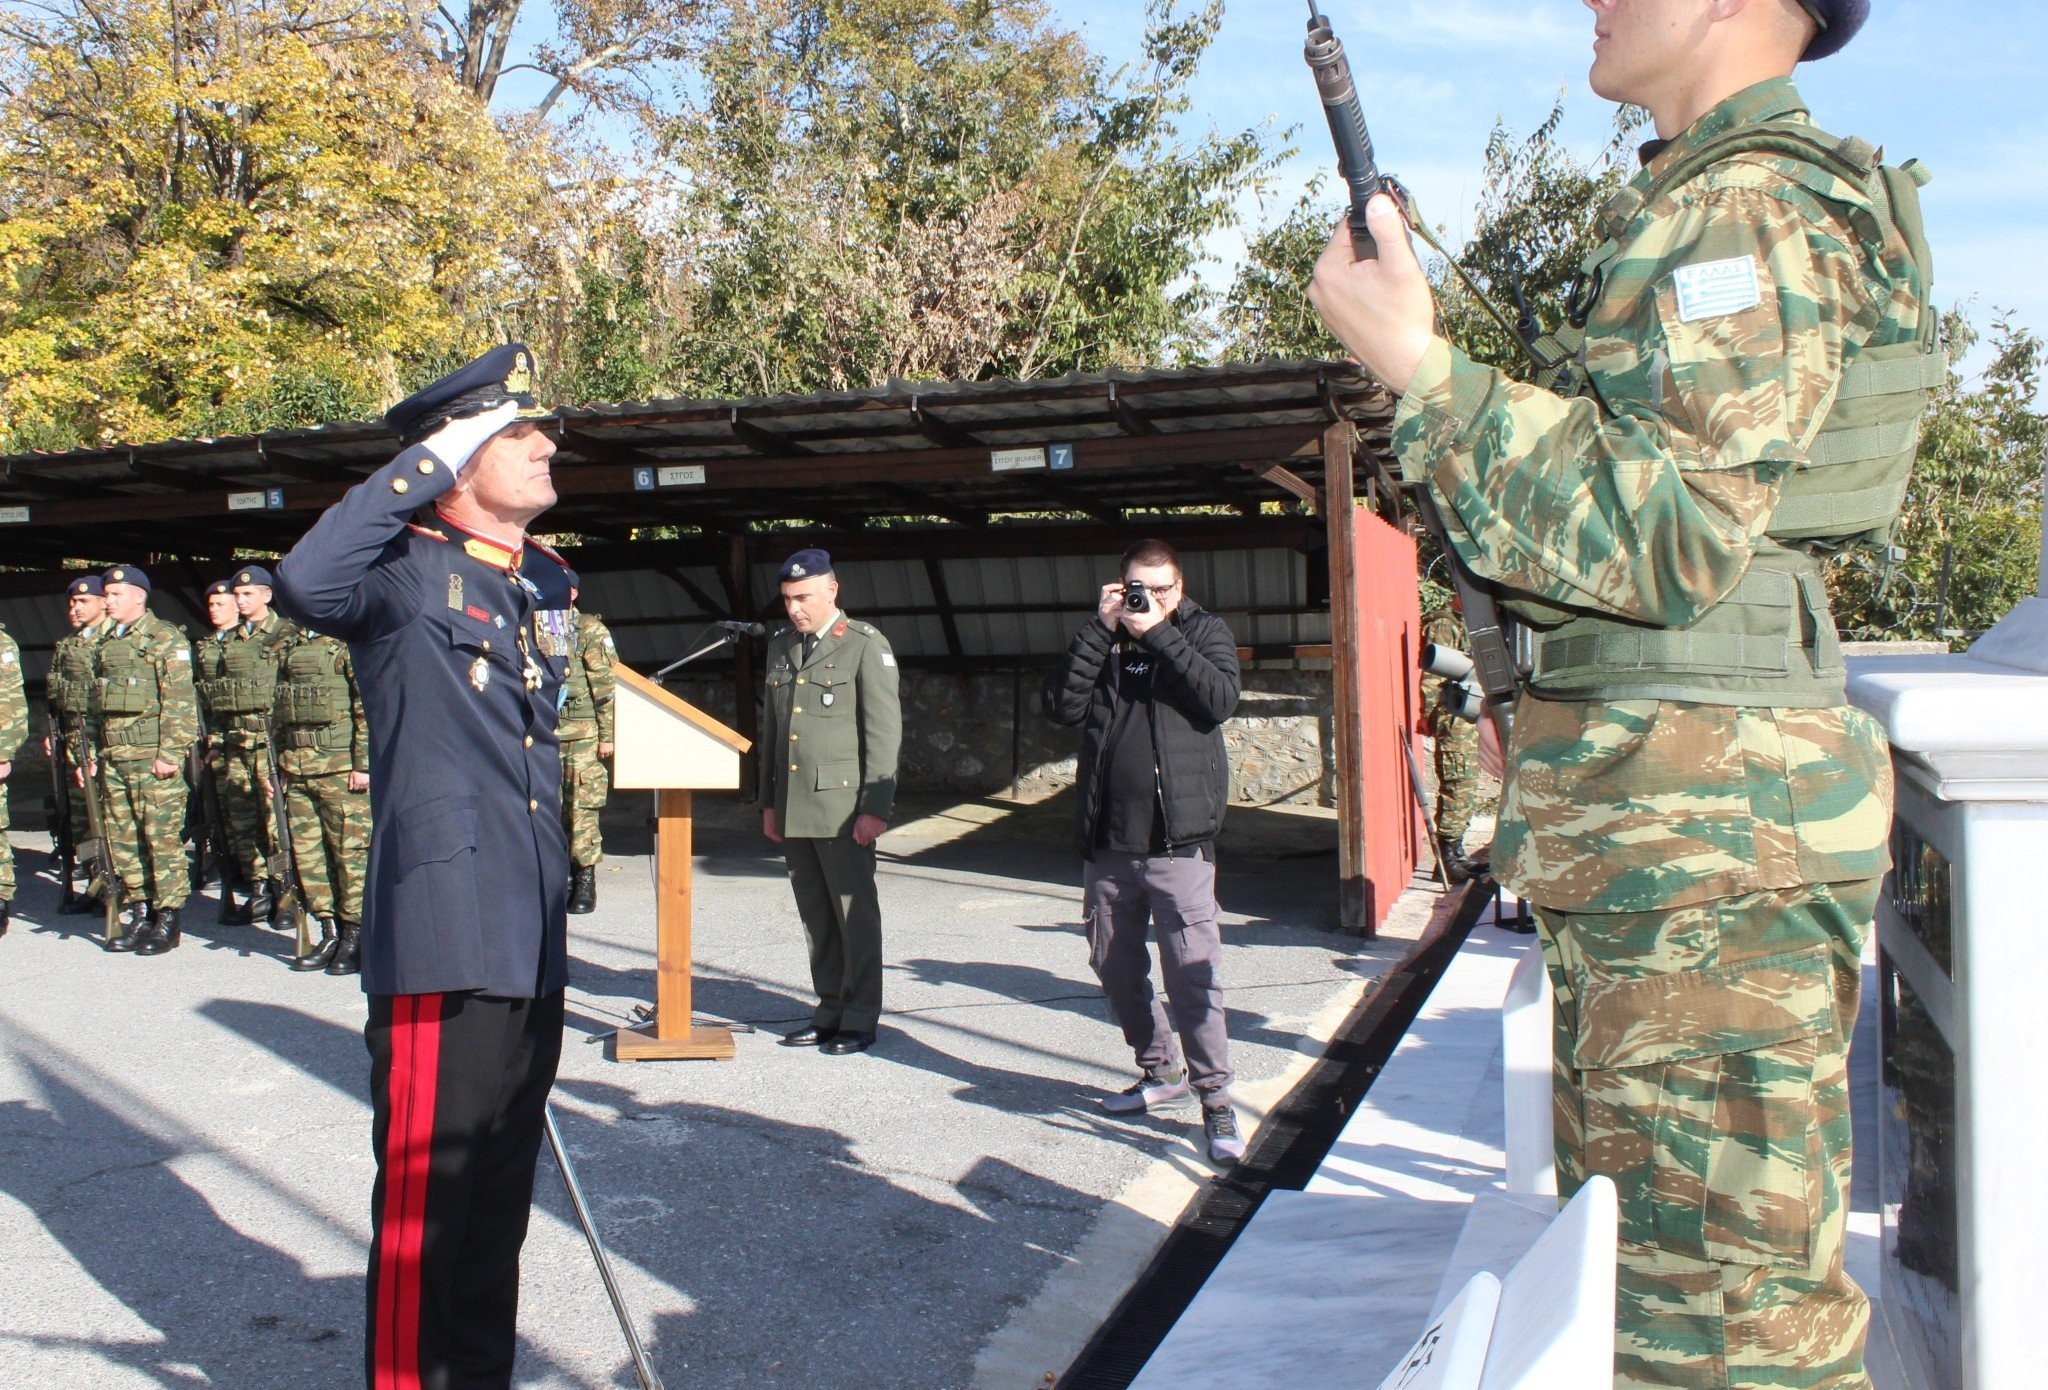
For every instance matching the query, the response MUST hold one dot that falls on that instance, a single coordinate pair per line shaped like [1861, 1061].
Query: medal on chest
[825, 698]
[480, 673]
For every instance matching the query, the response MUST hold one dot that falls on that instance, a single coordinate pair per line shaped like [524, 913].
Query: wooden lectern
[670, 747]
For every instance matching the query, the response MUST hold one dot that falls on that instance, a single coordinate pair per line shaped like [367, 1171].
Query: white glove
[457, 440]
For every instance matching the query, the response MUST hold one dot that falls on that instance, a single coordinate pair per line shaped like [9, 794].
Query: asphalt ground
[184, 1141]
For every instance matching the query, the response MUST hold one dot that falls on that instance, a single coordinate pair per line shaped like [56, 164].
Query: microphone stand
[724, 639]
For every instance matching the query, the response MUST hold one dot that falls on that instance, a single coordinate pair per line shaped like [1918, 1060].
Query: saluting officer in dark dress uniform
[457, 625]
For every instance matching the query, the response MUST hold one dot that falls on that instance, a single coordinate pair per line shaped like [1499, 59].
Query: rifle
[284, 861]
[1499, 674]
[61, 848]
[106, 880]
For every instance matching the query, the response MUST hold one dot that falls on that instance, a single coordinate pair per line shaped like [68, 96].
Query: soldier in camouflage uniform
[69, 686]
[212, 857]
[586, 734]
[1698, 817]
[323, 750]
[1455, 742]
[145, 721]
[238, 685]
[13, 733]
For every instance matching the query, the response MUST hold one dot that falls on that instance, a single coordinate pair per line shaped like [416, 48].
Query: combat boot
[232, 913]
[348, 952]
[135, 929]
[5, 909]
[583, 890]
[164, 934]
[262, 905]
[321, 952]
[75, 903]
[1457, 867]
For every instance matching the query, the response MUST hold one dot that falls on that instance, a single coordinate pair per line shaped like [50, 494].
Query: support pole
[736, 574]
[1354, 906]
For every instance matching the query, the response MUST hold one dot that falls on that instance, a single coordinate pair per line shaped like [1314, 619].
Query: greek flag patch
[1713, 288]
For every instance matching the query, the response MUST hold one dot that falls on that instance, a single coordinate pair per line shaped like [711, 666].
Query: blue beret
[86, 584]
[500, 375]
[253, 574]
[1838, 19]
[805, 564]
[127, 574]
[220, 586]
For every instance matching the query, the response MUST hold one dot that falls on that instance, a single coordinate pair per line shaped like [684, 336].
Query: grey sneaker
[1152, 1089]
[1226, 1145]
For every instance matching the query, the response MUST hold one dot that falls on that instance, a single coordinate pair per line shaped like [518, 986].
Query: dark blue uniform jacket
[469, 863]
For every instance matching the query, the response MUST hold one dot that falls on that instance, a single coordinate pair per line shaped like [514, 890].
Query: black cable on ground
[1290, 1145]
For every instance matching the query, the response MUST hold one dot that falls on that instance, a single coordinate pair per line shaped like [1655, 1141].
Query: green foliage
[1969, 538]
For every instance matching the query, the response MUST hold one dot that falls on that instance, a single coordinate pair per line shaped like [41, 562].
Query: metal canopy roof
[1233, 436]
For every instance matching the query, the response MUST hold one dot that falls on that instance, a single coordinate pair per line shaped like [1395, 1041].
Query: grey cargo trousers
[1121, 896]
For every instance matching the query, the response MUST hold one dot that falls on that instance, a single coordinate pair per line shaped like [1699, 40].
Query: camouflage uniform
[1455, 740]
[586, 722]
[145, 710]
[1705, 873]
[237, 681]
[69, 686]
[13, 733]
[321, 738]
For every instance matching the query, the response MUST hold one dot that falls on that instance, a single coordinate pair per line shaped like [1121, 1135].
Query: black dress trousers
[458, 1084]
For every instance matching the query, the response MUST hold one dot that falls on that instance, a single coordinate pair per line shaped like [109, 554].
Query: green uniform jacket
[587, 712]
[831, 730]
[155, 713]
[13, 701]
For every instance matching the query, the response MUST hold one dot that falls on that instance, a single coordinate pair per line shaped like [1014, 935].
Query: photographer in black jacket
[1150, 680]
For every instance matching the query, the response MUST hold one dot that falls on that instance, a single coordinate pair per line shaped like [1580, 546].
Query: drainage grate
[1290, 1144]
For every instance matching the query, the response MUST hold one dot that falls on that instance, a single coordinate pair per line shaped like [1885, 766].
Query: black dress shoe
[850, 1041]
[813, 1036]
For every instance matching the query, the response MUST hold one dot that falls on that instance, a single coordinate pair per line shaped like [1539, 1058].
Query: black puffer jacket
[1194, 689]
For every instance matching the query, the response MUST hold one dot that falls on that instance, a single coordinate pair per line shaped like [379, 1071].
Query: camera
[1135, 598]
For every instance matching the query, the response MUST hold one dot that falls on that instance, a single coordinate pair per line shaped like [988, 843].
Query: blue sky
[1962, 86]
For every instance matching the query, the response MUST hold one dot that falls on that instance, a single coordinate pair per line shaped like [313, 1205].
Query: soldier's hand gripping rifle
[1495, 665]
[284, 860]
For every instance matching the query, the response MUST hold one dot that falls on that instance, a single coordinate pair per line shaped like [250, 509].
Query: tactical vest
[70, 678]
[314, 709]
[1772, 640]
[580, 702]
[247, 683]
[129, 706]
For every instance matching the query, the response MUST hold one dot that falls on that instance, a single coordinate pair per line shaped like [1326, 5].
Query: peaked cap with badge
[459, 646]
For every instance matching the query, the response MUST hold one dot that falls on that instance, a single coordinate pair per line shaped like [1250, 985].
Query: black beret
[500, 375]
[1838, 19]
[575, 579]
[220, 586]
[805, 564]
[254, 574]
[86, 584]
[127, 574]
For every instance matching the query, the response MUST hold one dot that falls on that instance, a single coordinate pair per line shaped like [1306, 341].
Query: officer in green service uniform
[13, 733]
[1455, 747]
[1699, 818]
[586, 734]
[69, 688]
[145, 721]
[238, 685]
[829, 739]
[323, 752]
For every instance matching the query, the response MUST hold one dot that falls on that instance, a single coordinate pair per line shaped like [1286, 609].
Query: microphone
[741, 629]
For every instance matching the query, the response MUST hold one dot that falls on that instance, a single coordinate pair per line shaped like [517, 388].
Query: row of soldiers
[155, 740]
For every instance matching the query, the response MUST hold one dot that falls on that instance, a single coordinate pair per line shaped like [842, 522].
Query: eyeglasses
[1161, 590]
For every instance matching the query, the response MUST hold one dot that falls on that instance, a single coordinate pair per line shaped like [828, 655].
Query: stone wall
[967, 734]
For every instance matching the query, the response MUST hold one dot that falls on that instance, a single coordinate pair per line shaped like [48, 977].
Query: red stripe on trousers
[408, 1152]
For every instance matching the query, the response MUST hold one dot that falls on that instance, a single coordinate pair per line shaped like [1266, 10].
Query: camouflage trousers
[145, 816]
[239, 777]
[6, 850]
[586, 784]
[1457, 772]
[1702, 1064]
[330, 843]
